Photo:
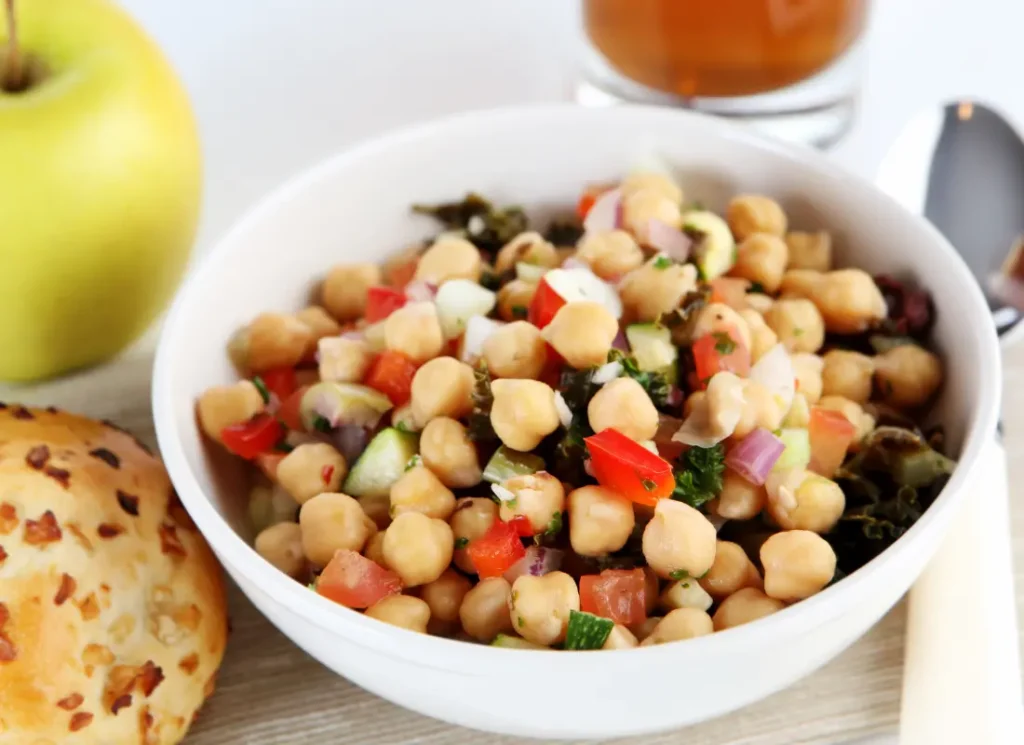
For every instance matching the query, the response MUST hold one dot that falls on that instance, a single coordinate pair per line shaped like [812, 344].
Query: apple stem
[12, 73]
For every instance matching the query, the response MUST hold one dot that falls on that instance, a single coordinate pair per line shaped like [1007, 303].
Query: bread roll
[112, 610]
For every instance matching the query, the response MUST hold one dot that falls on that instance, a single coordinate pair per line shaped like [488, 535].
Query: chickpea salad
[646, 423]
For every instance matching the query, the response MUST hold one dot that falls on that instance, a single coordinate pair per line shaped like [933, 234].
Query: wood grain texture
[272, 693]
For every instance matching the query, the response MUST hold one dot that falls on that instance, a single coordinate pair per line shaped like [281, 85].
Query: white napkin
[962, 677]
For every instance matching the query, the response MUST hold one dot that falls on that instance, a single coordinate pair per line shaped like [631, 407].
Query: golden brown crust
[112, 610]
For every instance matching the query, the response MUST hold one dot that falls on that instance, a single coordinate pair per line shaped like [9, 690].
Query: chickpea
[761, 258]
[624, 405]
[320, 324]
[344, 290]
[329, 522]
[731, 571]
[514, 299]
[442, 387]
[344, 360]
[797, 564]
[799, 414]
[516, 350]
[798, 324]
[415, 331]
[447, 451]
[652, 585]
[810, 250]
[539, 606]
[600, 521]
[419, 490]
[484, 611]
[418, 548]
[582, 332]
[523, 412]
[847, 374]
[761, 408]
[759, 302]
[378, 508]
[801, 500]
[800, 282]
[529, 247]
[752, 213]
[273, 340]
[472, 518]
[809, 369]
[659, 183]
[402, 418]
[281, 545]
[643, 205]
[762, 338]
[620, 638]
[648, 291]
[224, 405]
[679, 538]
[849, 301]
[679, 624]
[744, 606]
[610, 254]
[854, 412]
[685, 593]
[538, 497]
[645, 628]
[445, 595]
[739, 499]
[719, 317]
[733, 406]
[907, 375]
[374, 549]
[403, 611]
[449, 258]
[311, 469]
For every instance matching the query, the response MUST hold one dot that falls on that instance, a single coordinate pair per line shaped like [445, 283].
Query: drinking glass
[790, 67]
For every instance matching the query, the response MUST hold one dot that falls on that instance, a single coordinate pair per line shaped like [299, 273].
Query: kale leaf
[479, 426]
[655, 384]
[681, 321]
[475, 218]
[700, 479]
[564, 451]
[563, 233]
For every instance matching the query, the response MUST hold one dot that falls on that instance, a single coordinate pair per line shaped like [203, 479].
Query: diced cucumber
[587, 631]
[514, 642]
[506, 463]
[328, 404]
[715, 252]
[457, 301]
[530, 272]
[381, 464]
[652, 347]
[798, 449]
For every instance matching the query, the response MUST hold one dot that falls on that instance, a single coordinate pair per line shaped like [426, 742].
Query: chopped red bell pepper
[355, 581]
[830, 434]
[587, 199]
[381, 302]
[544, 305]
[391, 374]
[496, 550]
[618, 594]
[628, 468]
[720, 351]
[522, 525]
[249, 439]
[280, 381]
[288, 411]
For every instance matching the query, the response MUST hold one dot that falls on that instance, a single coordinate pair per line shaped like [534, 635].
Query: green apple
[100, 185]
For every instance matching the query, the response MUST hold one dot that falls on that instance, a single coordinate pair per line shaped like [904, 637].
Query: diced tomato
[720, 351]
[618, 594]
[381, 302]
[288, 411]
[628, 468]
[522, 525]
[496, 550]
[280, 381]
[355, 581]
[831, 434]
[391, 374]
[249, 439]
[401, 273]
[268, 463]
[731, 291]
[545, 303]
[587, 200]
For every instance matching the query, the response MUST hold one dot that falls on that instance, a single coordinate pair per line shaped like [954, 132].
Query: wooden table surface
[271, 692]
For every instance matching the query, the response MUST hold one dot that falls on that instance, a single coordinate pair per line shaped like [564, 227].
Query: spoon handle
[962, 677]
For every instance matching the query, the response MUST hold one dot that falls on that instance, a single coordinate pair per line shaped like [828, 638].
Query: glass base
[817, 112]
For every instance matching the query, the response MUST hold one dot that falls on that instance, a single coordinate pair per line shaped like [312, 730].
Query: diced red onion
[350, 440]
[539, 560]
[664, 237]
[606, 213]
[675, 396]
[354, 335]
[753, 457]
[620, 342]
[573, 263]
[419, 291]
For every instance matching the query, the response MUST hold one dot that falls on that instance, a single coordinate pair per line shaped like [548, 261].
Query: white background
[279, 84]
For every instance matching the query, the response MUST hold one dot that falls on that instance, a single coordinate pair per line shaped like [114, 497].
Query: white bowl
[355, 206]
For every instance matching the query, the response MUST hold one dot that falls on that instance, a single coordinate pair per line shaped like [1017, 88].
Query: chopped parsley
[679, 574]
[312, 584]
[798, 331]
[414, 461]
[700, 479]
[655, 384]
[649, 485]
[757, 287]
[479, 426]
[401, 426]
[461, 542]
[724, 343]
[322, 424]
[262, 388]
[555, 526]
[519, 312]
[662, 262]
[520, 622]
